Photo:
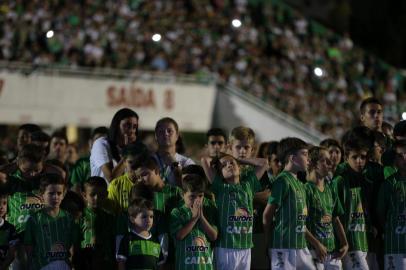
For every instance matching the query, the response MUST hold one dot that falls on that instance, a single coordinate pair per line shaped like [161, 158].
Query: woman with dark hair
[105, 156]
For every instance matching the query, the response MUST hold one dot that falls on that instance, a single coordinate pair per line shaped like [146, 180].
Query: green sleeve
[175, 222]
[210, 212]
[383, 198]
[338, 209]
[80, 172]
[29, 232]
[217, 183]
[279, 191]
[338, 189]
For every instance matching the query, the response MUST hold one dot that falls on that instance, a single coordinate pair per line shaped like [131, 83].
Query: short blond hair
[242, 133]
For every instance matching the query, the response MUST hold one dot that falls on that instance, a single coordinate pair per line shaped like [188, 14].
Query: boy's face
[215, 145]
[190, 197]
[378, 151]
[300, 160]
[93, 196]
[372, 117]
[166, 134]
[241, 148]
[357, 160]
[323, 164]
[400, 160]
[143, 220]
[58, 147]
[3, 206]
[229, 167]
[129, 164]
[275, 164]
[148, 177]
[335, 155]
[23, 138]
[53, 195]
[29, 169]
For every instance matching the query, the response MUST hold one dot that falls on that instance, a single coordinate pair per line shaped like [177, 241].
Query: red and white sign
[62, 100]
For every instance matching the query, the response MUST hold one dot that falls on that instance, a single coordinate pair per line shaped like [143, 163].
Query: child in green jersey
[139, 249]
[285, 215]
[351, 187]
[193, 226]
[50, 232]
[234, 197]
[97, 229]
[8, 235]
[324, 209]
[119, 189]
[392, 210]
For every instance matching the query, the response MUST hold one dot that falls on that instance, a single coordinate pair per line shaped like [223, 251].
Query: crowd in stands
[275, 54]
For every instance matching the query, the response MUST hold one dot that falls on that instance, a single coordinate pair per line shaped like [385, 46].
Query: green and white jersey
[288, 193]
[97, 232]
[323, 208]
[235, 211]
[50, 237]
[23, 201]
[354, 220]
[138, 252]
[167, 199]
[80, 172]
[119, 191]
[194, 251]
[392, 207]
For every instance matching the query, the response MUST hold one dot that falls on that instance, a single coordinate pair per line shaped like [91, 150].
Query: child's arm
[267, 218]
[208, 169]
[321, 250]
[186, 229]
[210, 231]
[342, 238]
[260, 164]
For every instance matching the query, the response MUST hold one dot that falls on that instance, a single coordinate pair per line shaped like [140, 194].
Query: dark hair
[370, 100]
[114, 130]
[40, 136]
[289, 146]
[30, 128]
[60, 134]
[94, 181]
[59, 164]
[399, 143]
[180, 145]
[273, 148]
[216, 132]
[50, 179]
[31, 152]
[263, 150]
[138, 205]
[355, 145]
[149, 163]
[330, 142]
[4, 193]
[73, 203]
[314, 156]
[361, 134]
[99, 130]
[400, 129]
[379, 138]
[135, 149]
[194, 169]
[140, 190]
[193, 183]
[166, 120]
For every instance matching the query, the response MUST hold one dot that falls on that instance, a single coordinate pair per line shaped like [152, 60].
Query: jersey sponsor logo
[303, 215]
[241, 214]
[198, 260]
[58, 251]
[359, 212]
[400, 230]
[356, 227]
[32, 203]
[199, 245]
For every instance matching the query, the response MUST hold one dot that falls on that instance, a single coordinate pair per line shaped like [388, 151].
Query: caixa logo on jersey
[58, 251]
[401, 228]
[302, 218]
[199, 245]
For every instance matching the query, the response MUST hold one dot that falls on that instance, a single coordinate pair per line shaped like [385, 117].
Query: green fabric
[80, 172]
[194, 251]
[289, 195]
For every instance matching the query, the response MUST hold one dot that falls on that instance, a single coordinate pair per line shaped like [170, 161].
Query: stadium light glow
[318, 72]
[156, 37]
[236, 23]
[50, 34]
[404, 115]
